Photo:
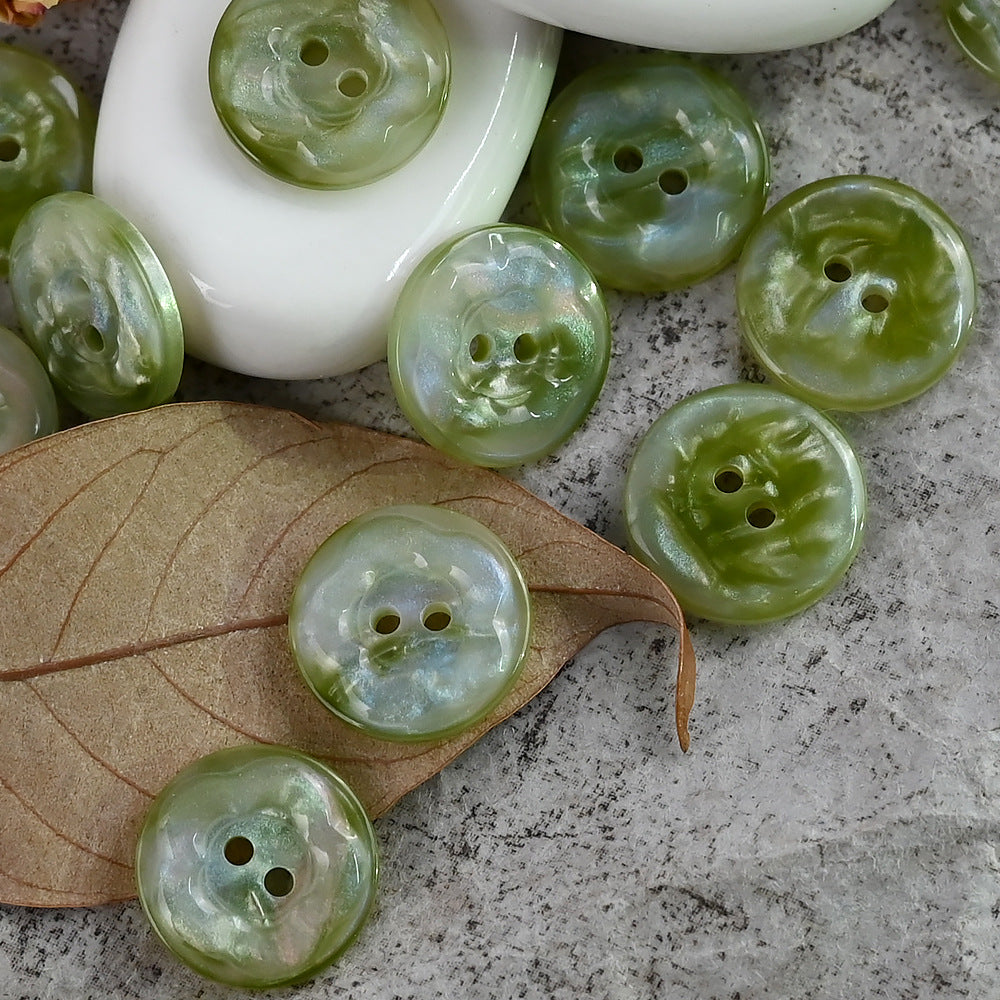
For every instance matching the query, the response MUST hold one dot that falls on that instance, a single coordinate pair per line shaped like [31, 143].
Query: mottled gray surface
[833, 832]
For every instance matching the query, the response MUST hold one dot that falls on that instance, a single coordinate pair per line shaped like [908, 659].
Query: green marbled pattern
[330, 94]
[229, 916]
[27, 402]
[96, 306]
[975, 25]
[410, 622]
[653, 169]
[499, 346]
[748, 503]
[46, 138]
[856, 293]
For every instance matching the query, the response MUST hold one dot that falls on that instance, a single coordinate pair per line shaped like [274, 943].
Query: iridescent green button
[330, 93]
[410, 622]
[975, 25]
[257, 866]
[96, 306]
[748, 503]
[499, 346]
[46, 138]
[856, 293]
[27, 403]
[653, 169]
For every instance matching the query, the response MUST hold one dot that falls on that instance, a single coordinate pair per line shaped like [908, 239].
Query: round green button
[257, 866]
[46, 138]
[330, 93]
[499, 346]
[96, 306]
[856, 292]
[410, 622]
[653, 169]
[748, 503]
[27, 403]
[975, 25]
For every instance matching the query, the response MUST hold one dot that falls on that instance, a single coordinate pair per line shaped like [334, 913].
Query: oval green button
[748, 503]
[27, 403]
[856, 292]
[975, 25]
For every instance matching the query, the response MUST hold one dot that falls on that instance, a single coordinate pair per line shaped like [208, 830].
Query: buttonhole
[627, 159]
[480, 348]
[729, 480]
[386, 622]
[279, 882]
[238, 851]
[673, 182]
[10, 149]
[875, 300]
[437, 619]
[761, 517]
[352, 83]
[525, 348]
[314, 52]
[837, 269]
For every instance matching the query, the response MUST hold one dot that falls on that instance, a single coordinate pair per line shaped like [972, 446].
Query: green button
[257, 866]
[975, 25]
[748, 503]
[499, 346]
[653, 169]
[330, 93]
[27, 403]
[856, 293]
[46, 138]
[410, 622]
[95, 306]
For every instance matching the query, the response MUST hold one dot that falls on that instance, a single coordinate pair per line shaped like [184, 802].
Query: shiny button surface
[975, 25]
[410, 622]
[748, 503]
[27, 403]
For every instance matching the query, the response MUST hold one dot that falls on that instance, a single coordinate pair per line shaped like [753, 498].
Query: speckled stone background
[834, 830]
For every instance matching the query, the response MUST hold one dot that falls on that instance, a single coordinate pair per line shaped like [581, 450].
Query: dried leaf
[146, 564]
[24, 12]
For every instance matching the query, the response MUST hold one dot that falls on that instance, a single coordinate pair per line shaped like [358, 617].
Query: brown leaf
[146, 564]
[24, 12]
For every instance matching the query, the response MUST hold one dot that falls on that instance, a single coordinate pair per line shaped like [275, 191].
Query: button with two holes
[257, 866]
[856, 292]
[410, 622]
[747, 502]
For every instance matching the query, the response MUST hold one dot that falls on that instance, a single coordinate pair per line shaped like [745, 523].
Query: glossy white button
[707, 25]
[283, 282]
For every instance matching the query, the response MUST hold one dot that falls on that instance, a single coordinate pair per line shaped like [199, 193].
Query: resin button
[856, 293]
[499, 346]
[282, 281]
[410, 622]
[749, 504]
[653, 169]
[95, 305]
[46, 138]
[257, 866]
[27, 403]
[330, 94]
[975, 25]
[700, 26]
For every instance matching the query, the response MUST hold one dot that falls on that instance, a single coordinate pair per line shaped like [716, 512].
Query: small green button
[96, 306]
[748, 503]
[410, 622]
[46, 138]
[330, 93]
[499, 346]
[856, 293]
[653, 169]
[975, 25]
[257, 866]
[27, 403]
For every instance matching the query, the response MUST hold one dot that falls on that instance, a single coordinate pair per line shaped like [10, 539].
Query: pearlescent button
[95, 304]
[329, 94]
[653, 169]
[700, 26]
[499, 346]
[748, 503]
[27, 403]
[46, 138]
[975, 25]
[410, 622]
[856, 293]
[257, 866]
[282, 281]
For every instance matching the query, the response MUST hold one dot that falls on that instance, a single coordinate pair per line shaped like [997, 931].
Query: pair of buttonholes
[838, 270]
[239, 851]
[10, 149]
[435, 619]
[352, 83]
[526, 348]
[730, 481]
[629, 159]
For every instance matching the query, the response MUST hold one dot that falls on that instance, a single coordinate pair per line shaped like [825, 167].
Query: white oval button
[276, 280]
[697, 26]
